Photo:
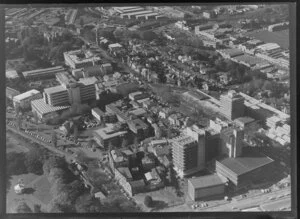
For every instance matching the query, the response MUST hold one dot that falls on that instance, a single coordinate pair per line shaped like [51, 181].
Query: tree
[37, 208]
[81, 22]
[23, 208]
[124, 142]
[148, 35]
[75, 131]
[54, 162]
[87, 204]
[19, 122]
[148, 201]
[54, 139]
[57, 174]
[15, 163]
[17, 109]
[33, 164]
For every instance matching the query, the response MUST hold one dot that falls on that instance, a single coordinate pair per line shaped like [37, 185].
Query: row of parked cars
[201, 205]
[10, 123]
[37, 136]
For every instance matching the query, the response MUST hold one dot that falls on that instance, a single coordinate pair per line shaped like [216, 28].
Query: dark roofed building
[137, 126]
[241, 171]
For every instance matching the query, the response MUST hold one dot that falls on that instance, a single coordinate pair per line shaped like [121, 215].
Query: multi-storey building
[188, 151]
[56, 96]
[232, 105]
[87, 88]
[231, 142]
[80, 59]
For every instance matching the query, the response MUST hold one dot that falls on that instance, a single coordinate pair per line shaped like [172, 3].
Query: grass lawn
[42, 189]
[12, 198]
[13, 145]
[165, 197]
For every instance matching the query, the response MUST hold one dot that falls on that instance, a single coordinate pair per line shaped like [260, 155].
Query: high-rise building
[231, 142]
[188, 151]
[70, 91]
[232, 105]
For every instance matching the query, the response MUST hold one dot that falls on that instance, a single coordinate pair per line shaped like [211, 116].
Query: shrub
[148, 201]
[15, 163]
[23, 208]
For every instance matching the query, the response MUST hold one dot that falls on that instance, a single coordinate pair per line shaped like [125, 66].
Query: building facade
[232, 105]
[23, 100]
[188, 152]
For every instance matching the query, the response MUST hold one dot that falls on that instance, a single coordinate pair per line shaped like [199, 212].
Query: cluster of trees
[160, 70]
[147, 35]
[68, 191]
[188, 41]
[30, 162]
[22, 207]
[36, 48]
[277, 90]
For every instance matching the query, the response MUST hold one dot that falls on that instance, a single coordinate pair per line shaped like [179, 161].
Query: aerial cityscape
[148, 109]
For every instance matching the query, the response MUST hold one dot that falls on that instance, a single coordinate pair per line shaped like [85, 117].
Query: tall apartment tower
[188, 151]
[231, 142]
[232, 105]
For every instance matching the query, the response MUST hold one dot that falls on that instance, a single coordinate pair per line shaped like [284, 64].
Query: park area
[37, 187]
[163, 198]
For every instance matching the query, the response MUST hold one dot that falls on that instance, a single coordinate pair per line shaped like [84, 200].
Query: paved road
[251, 202]
[277, 205]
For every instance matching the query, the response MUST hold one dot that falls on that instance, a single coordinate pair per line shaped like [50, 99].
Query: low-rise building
[42, 73]
[205, 186]
[24, 100]
[107, 135]
[46, 111]
[11, 93]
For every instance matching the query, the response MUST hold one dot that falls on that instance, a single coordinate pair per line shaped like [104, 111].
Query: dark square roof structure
[248, 162]
[207, 181]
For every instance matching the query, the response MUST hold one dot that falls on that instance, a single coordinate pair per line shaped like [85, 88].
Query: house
[205, 86]
[176, 119]
[164, 113]
[148, 163]
[107, 68]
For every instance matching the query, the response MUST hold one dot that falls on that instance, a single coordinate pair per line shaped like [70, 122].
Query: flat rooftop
[246, 163]
[45, 108]
[43, 70]
[88, 81]
[73, 55]
[55, 89]
[26, 95]
[108, 132]
[207, 181]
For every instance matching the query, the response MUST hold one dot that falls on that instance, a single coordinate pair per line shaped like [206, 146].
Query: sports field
[279, 37]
